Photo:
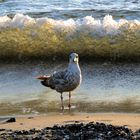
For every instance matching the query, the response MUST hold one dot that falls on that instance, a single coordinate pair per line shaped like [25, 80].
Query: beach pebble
[74, 131]
[11, 120]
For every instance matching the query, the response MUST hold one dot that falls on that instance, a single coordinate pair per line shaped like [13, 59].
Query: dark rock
[30, 117]
[137, 134]
[75, 131]
[11, 120]
[2, 129]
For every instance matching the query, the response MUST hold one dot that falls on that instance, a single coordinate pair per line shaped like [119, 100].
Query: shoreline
[27, 122]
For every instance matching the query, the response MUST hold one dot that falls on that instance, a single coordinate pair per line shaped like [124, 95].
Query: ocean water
[45, 30]
[65, 9]
[106, 87]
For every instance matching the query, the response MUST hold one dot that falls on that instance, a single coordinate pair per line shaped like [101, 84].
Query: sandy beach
[131, 121]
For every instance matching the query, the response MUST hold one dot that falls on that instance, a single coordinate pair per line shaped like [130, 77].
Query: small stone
[11, 120]
[2, 129]
[74, 131]
[30, 117]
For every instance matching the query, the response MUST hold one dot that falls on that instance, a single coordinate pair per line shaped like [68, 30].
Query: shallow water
[106, 87]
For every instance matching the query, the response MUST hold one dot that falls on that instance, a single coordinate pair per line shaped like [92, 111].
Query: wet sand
[131, 121]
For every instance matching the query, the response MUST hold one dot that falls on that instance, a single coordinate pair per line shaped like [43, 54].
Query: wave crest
[106, 26]
[26, 37]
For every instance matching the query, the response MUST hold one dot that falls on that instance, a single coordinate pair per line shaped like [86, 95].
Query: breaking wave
[23, 37]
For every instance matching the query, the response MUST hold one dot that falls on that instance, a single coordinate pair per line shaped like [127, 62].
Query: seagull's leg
[62, 104]
[69, 101]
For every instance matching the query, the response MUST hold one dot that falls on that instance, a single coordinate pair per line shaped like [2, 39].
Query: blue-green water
[64, 9]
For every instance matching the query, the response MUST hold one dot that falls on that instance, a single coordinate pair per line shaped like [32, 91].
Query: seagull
[64, 81]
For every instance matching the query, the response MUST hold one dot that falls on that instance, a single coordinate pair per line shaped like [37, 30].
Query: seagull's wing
[57, 81]
[59, 78]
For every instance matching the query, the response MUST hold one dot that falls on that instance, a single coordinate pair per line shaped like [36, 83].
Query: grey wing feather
[59, 77]
[56, 80]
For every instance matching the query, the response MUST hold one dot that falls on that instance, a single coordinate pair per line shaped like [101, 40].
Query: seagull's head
[73, 58]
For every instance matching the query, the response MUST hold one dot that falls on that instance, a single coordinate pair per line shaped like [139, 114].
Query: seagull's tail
[43, 77]
[45, 81]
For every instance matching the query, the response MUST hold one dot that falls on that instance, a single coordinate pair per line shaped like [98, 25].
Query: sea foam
[87, 24]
